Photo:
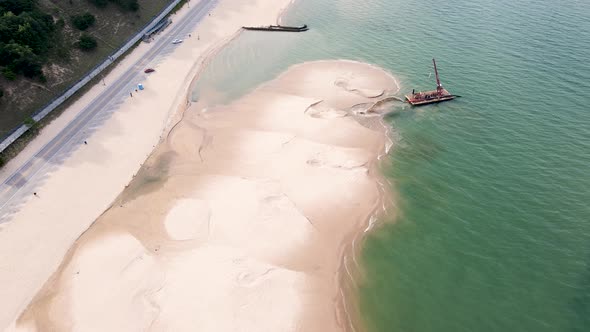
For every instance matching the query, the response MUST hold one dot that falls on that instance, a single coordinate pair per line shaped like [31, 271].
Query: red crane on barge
[430, 97]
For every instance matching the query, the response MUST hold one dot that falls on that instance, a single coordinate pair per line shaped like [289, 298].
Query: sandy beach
[239, 218]
[74, 193]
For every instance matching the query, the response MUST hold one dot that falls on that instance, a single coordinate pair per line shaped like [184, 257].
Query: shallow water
[494, 222]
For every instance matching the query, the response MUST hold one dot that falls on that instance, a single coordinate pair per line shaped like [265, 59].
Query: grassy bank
[35, 127]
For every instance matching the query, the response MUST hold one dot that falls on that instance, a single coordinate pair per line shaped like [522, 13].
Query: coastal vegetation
[48, 45]
[130, 5]
[25, 34]
[83, 21]
[86, 43]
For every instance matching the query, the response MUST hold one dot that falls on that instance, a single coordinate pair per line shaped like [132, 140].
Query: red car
[149, 70]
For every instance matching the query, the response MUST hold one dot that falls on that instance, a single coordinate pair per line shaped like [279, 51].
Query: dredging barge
[430, 97]
[278, 28]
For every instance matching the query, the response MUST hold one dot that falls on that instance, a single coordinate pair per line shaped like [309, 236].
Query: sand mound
[110, 276]
[246, 228]
[188, 220]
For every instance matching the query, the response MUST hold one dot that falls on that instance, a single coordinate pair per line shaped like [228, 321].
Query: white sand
[189, 219]
[236, 223]
[73, 195]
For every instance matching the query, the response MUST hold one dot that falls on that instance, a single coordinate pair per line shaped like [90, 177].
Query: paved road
[29, 175]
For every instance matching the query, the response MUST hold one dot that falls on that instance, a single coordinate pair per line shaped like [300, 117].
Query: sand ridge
[236, 222]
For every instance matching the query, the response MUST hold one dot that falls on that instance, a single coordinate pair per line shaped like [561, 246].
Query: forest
[26, 33]
[47, 46]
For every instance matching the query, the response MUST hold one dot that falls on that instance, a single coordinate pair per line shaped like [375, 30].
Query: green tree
[17, 6]
[127, 5]
[86, 43]
[30, 122]
[83, 21]
[20, 59]
[99, 3]
[25, 35]
[60, 23]
[132, 5]
[9, 74]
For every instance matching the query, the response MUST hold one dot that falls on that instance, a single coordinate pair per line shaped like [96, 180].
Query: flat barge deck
[278, 28]
[430, 97]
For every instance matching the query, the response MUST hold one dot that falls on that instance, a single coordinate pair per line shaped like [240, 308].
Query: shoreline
[350, 272]
[330, 154]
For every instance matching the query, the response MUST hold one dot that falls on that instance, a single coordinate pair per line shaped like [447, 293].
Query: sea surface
[493, 189]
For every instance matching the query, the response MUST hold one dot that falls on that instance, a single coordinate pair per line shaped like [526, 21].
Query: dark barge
[430, 97]
[278, 28]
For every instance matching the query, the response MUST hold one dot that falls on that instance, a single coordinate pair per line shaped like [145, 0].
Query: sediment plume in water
[238, 220]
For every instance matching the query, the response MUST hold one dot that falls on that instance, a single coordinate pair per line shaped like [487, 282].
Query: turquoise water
[493, 232]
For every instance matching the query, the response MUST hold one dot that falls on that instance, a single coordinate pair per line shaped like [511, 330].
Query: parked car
[177, 41]
[149, 70]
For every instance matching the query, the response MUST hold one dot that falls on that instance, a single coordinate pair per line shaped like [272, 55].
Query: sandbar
[239, 218]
